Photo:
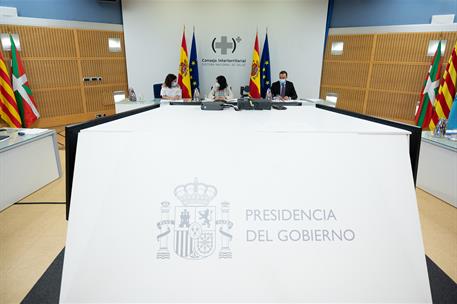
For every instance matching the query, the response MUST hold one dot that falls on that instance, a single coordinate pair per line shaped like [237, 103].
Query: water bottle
[196, 95]
[440, 129]
[268, 95]
[132, 95]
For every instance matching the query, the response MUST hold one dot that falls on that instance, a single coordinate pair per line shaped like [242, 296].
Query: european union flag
[193, 66]
[265, 74]
[452, 121]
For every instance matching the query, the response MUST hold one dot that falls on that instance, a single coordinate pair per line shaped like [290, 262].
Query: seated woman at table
[170, 88]
[220, 90]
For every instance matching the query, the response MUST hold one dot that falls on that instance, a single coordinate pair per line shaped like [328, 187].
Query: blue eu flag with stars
[193, 66]
[265, 74]
[452, 121]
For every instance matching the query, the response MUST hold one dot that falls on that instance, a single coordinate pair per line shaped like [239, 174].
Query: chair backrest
[244, 91]
[157, 87]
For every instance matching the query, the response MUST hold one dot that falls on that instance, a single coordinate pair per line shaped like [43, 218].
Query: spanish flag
[254, 83]
[447, 91]
[183, 75]
[8, 106]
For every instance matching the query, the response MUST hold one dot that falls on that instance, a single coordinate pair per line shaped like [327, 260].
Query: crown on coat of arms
[195, 193]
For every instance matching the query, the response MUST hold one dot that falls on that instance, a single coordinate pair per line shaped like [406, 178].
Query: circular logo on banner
[225, 45]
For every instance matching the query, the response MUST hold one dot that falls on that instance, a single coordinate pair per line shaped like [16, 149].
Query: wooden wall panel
[111, 71]
[43, 42]
[59, 102]
[391, 105]
[95, 43]
[356, 47]
[397, 66]
[404, 47]
[398, 77]
[348, 74]
[55, 62]
[100, 98]
[43, 74]
[451, 38]
[348, 99]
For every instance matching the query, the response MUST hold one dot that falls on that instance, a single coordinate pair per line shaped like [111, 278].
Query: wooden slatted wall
[380, 74]
[56, 60]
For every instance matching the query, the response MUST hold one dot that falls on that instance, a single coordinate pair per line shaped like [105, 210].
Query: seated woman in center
[170, 88]
[220, 90]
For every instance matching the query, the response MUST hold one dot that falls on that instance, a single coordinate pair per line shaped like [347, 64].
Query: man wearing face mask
[220, 90]
[283, 89]
[170, 88]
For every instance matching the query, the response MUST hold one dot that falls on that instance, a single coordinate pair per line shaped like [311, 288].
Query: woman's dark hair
[222, 82]
[169, 79]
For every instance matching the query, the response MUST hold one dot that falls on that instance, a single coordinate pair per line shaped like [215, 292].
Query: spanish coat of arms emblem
[195, 228]
[183, 67]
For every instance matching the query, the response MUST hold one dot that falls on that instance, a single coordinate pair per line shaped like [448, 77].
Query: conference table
[177, 204]
[29, 160]
[438, 167]
[127, 105]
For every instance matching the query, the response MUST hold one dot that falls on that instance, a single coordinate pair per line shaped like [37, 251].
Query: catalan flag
[254, 83]
[8, 107]
[183, 75]
[446, 93]
[429, 90]
[24, 98]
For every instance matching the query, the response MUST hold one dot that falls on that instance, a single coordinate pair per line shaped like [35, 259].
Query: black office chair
[244, 91]
[157, 87]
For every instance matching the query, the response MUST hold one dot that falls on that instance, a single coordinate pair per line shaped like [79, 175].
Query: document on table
[33, 131]
[228, 100]
[168, 100]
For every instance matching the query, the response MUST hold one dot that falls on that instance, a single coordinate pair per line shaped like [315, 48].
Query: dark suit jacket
[290, 90]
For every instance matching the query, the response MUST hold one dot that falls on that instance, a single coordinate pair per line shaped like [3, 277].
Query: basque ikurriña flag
[429, 90]
[25, 103]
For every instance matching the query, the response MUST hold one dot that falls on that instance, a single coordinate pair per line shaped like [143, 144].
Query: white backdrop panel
[153, 30]
[113, 235]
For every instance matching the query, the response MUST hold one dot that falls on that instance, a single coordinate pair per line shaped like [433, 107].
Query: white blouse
[170, 92]
[227, 93]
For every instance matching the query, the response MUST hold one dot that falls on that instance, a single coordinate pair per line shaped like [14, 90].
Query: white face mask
[282, 81]
[216, 85]
[174, 84]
